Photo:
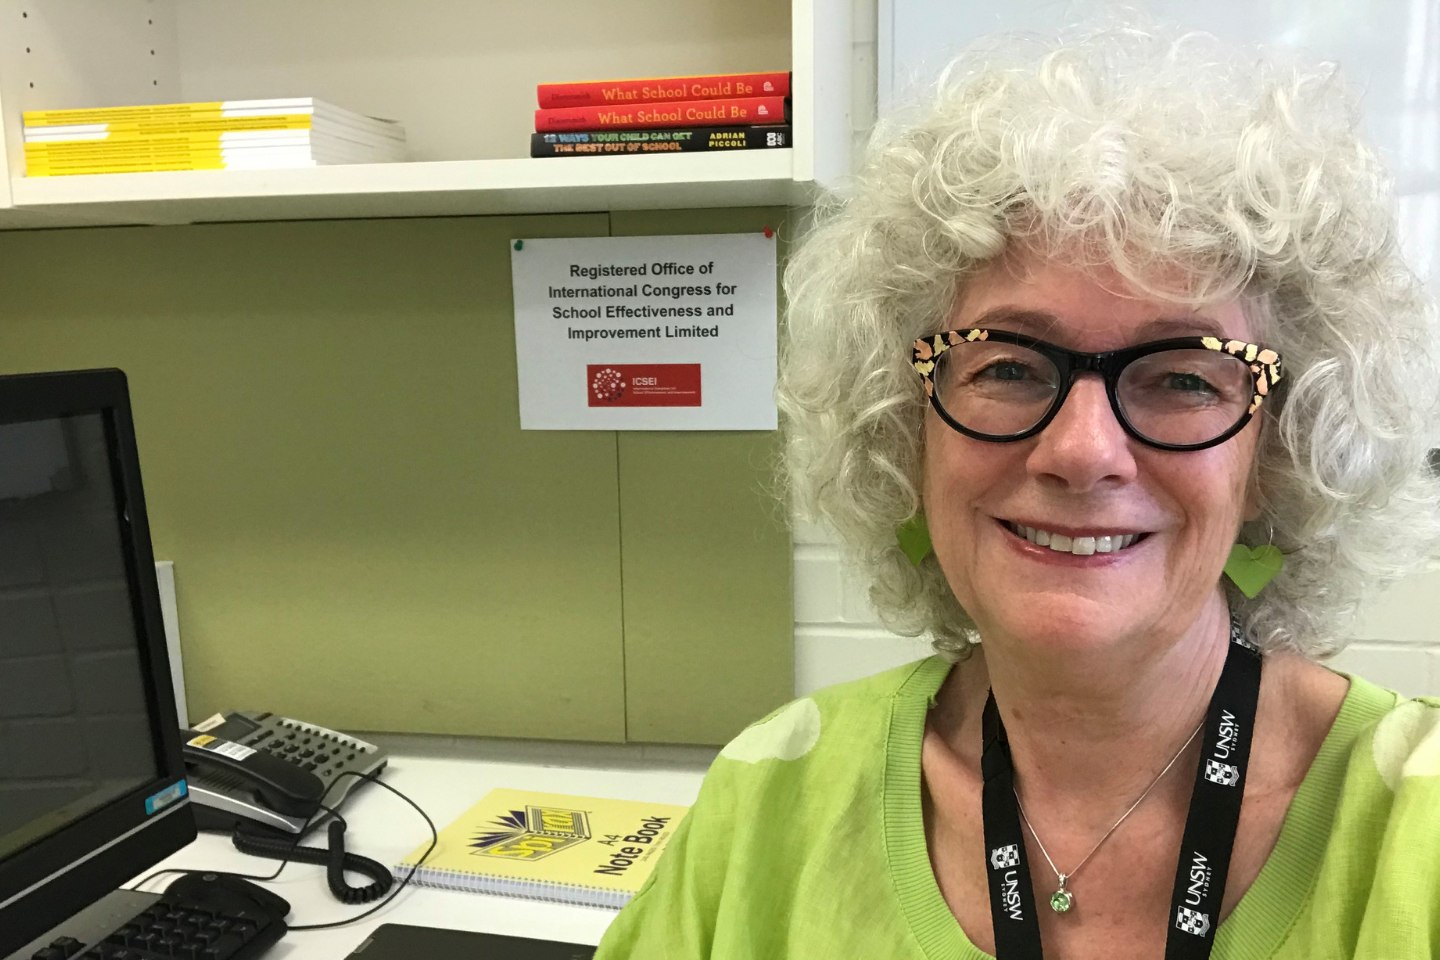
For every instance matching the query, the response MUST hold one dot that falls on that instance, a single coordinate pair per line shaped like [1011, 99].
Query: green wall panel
[706, 558]
[329, 436]
[362, 534]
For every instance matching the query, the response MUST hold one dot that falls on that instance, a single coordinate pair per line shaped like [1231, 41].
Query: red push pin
[769, 232]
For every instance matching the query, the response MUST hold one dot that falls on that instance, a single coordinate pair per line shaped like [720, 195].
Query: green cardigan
[807, 841]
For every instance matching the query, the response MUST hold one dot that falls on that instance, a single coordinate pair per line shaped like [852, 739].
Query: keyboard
[211, 924]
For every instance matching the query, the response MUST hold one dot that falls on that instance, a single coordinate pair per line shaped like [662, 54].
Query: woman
[1111, 320]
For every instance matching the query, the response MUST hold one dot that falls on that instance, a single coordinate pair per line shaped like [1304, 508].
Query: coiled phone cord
[294, 840]
[261, 841]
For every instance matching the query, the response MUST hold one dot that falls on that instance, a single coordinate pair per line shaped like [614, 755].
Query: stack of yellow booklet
[549, 846]
[216, 135]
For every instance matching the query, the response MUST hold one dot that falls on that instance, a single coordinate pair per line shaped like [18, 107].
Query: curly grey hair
[1151, 155]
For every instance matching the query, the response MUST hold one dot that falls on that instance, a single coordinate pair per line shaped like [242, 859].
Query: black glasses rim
[1124, 421]
[1118, 358]
[1108, 365]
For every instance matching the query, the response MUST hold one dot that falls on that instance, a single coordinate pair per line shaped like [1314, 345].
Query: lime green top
[807, 840]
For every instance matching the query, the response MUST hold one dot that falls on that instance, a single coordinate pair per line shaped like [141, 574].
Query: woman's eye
[1188, 383]
[1006, 371]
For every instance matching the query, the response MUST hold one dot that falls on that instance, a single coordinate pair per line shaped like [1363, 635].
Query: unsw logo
[1006, 856]
[1225, 774]
[1192, 921]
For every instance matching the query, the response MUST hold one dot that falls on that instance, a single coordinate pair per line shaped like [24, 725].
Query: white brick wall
[1397, 641]
[838, 637]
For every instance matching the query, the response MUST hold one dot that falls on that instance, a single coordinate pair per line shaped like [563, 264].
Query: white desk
[385, 828]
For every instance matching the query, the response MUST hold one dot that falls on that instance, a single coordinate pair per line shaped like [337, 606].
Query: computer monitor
[92, 786]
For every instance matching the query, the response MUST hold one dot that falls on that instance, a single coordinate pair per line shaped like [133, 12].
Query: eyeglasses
[1185, 393]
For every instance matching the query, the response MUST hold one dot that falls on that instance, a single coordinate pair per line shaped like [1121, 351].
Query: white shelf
[461, 82]
[438, 188]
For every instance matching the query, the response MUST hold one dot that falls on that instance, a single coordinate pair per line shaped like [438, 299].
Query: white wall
[837, 635]
[1397, 644]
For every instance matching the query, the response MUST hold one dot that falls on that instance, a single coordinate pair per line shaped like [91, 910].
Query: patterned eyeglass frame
[1264, 363]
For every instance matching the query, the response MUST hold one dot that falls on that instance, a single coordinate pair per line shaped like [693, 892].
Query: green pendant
[1062, 900]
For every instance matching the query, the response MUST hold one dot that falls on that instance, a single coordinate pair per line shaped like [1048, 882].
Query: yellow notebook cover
[549, 846]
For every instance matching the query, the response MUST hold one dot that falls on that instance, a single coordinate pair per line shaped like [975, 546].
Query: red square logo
[643, 384]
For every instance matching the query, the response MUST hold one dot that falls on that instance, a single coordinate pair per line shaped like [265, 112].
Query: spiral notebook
[549, 846]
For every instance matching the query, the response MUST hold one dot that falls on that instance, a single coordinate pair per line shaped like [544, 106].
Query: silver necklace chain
[1065, 877]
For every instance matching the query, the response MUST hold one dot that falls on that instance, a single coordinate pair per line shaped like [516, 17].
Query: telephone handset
[272, 770]
[278, 784]
[261, 778]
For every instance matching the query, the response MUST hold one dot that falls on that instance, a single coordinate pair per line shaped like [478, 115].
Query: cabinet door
[706, 559]
[329, 434]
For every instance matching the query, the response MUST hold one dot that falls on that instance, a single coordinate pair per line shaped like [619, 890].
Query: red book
[686, 113]
[598, 93]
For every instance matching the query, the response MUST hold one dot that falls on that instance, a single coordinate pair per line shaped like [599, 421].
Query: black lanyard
[1204, 857]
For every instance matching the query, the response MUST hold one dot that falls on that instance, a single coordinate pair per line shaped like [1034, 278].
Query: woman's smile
[1090, 548]
[1070, 550]
[1080, 541]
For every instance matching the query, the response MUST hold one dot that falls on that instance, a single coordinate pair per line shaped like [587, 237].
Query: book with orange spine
[730, 112]
[661, 89]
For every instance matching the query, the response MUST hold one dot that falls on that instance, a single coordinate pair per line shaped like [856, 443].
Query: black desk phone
[271, 770]
[261, 778]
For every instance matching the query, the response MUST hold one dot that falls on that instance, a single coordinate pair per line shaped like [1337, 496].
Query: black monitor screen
[92, 784]
[75, 730]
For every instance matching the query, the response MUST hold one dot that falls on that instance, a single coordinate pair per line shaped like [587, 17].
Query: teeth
[1078, 546]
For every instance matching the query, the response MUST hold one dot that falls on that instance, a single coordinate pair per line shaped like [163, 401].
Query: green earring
[914, 538]
[1251, 568]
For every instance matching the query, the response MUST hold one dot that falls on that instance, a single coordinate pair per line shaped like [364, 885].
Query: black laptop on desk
[399, 941]
[92, 786]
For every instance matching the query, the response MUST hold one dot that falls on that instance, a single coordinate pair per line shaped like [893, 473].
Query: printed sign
[646, 333]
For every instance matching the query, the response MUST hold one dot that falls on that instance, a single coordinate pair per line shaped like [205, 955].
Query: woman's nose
[1084, 446]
